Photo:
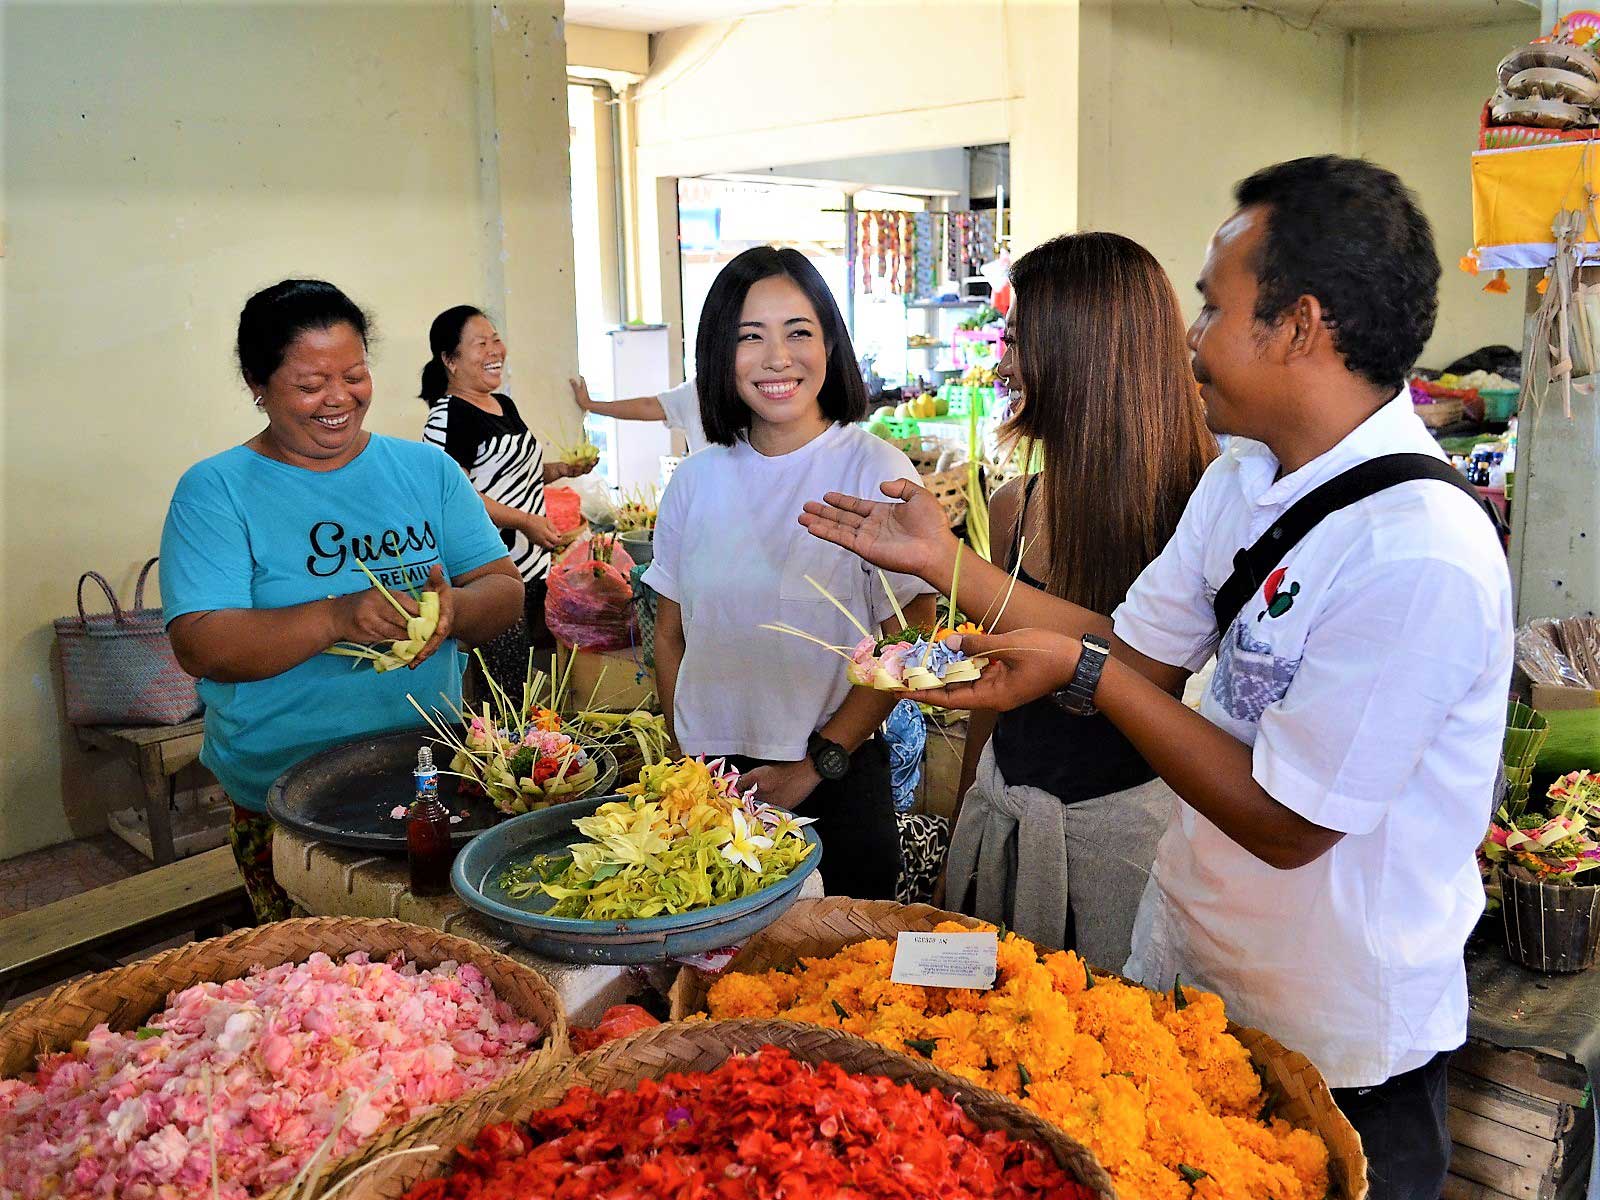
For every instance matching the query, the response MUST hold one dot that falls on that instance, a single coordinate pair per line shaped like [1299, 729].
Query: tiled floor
[57, 872]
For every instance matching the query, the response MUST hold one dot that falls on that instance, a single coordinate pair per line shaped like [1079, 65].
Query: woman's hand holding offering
[367, 618]
[1023, 666]
[370, 618]
[437, 582]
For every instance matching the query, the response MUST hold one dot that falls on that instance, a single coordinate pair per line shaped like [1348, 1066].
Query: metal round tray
[478, 868]
[344, 795]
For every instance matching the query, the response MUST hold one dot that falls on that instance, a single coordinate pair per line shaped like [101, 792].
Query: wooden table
[158, 752]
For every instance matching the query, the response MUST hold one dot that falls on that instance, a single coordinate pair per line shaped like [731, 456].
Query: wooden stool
[158, 752]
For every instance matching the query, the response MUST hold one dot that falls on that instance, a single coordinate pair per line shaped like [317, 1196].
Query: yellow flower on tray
[1152, 1083]
[680, 786]
[743, 845]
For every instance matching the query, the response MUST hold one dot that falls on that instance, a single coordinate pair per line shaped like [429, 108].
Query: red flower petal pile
[764, 1126]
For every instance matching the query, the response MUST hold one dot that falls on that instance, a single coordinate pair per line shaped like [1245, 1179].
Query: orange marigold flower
[1149, 1087]
[1066, 971]
[742, 996]
[1231, 1087]
[1015, 956]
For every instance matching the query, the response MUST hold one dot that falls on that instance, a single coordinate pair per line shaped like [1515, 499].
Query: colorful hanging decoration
[865, 223]
[925, 262]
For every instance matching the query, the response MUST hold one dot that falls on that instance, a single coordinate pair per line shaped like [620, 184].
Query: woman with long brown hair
[1060, 814]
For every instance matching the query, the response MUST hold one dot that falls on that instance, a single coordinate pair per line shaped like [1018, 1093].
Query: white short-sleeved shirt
[729, 549]
[682, 406]
[1370, 676]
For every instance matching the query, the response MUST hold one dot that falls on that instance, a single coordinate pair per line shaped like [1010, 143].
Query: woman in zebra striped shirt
[479, 426]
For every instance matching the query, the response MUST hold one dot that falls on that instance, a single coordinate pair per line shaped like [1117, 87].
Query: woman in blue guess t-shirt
[260, 555]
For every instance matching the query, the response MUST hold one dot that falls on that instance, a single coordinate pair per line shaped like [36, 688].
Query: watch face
[832, 762]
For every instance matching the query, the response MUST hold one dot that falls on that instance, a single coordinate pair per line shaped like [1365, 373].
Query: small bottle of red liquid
[428, 832]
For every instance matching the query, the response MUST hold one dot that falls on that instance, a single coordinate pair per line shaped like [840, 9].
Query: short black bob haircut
[726, 417]
[1351, 234]
[274, 317]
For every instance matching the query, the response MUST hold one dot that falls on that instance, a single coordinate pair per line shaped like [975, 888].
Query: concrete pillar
[527, 238]
[1555, 535]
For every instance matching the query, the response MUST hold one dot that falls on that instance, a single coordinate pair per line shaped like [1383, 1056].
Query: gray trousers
[1053, 871]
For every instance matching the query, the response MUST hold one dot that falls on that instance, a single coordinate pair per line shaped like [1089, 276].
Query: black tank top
[1072, 758]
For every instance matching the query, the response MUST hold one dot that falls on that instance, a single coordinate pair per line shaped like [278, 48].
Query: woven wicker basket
[1440, 413]
[125, 997]
[949, 488]
[924, 450]
[820, 928]
[692, 1046]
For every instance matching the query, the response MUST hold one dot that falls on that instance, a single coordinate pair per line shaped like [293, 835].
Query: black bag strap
[1252, 566]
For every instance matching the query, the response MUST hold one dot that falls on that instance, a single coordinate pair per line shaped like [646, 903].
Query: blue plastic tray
[478, 869]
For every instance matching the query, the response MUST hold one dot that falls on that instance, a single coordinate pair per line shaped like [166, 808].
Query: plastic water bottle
[428, 850]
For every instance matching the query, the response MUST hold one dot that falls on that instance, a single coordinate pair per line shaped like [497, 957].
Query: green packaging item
[1574, 741]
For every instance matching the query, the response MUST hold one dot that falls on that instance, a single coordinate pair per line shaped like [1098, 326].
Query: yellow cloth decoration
[1517, 195]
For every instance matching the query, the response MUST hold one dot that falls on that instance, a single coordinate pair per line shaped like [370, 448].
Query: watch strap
[1078, 696]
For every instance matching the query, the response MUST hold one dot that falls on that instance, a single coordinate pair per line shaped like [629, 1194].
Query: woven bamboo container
[1440, 413]
[125, 997]
[821, 928]
[425, 1148]
[949, 488]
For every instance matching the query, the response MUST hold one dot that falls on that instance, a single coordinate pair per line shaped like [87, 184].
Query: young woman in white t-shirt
[780, 390]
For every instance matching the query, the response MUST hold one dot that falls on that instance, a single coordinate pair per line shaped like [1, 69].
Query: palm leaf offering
[518, 753]
[582, 453]
[1553, 847]
[637, 510]
[638, 738]
[914, 657]
[1526, 731]
[419, 630]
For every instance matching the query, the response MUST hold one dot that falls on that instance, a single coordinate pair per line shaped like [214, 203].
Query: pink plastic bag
[590, 603]
[564, 508]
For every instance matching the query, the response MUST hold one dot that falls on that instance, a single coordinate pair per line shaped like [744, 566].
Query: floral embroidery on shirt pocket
[1249, 676]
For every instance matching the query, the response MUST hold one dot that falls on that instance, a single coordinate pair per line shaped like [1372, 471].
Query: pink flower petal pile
[124, 1115]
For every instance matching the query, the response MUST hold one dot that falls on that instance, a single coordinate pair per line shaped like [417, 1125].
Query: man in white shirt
[678, 406]
[1320, 874]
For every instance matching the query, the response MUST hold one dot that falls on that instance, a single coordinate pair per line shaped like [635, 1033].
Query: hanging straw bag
[118, 667]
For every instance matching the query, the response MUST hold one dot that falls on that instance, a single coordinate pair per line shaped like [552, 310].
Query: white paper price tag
[947, 960]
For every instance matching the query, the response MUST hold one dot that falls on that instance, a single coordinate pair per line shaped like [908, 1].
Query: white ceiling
[653, 16]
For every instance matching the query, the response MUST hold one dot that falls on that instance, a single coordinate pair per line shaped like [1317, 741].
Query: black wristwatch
[830, 759]
[1078, 696]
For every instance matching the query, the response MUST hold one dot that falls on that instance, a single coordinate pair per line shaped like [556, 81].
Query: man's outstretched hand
[908, 533]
